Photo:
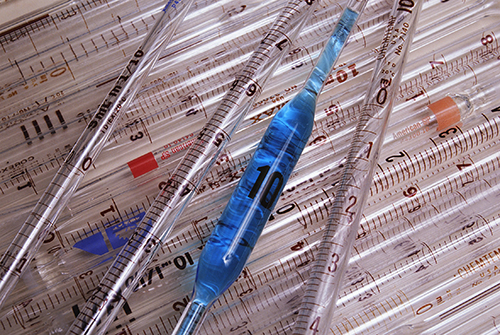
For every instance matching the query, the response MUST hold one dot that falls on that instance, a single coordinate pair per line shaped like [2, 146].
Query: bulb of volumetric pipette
[246, 213]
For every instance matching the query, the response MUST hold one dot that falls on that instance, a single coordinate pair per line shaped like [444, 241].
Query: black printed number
[276, 176]
[137, 137]
[334, 264]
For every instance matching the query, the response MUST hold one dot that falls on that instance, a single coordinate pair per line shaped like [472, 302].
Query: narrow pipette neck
[484, 94]
[328, 56]
[475, 98]
[192, 318]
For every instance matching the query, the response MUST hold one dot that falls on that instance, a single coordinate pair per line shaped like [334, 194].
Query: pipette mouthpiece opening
[484, 94]
[469, 101]
[191, 319]
[457, 107]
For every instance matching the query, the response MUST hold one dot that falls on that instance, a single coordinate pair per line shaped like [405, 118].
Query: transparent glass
[242, 221]
[85, 151]
[333, 254]
[442, 114]
[157, 224]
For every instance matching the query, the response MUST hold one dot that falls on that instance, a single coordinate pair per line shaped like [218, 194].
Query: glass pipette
[43, 217]
[159, 160]
[140, 250]
[242, 221]
[422, 286]
[254, 250]
[334, 251]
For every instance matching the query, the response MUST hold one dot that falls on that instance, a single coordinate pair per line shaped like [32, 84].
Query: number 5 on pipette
[250, 206]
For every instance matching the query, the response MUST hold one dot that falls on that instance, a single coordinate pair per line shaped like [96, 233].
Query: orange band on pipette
[446, 112]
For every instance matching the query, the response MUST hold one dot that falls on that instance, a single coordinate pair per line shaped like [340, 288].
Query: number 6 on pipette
[250, 206]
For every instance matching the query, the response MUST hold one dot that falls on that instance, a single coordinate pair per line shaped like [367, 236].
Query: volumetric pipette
[140, 250]
[43, 217]
[334, 251]
[242, 221]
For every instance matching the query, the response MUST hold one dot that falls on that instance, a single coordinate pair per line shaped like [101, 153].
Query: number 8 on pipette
[250, 206]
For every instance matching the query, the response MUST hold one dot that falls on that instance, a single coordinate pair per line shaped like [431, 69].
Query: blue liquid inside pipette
[242, 221]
